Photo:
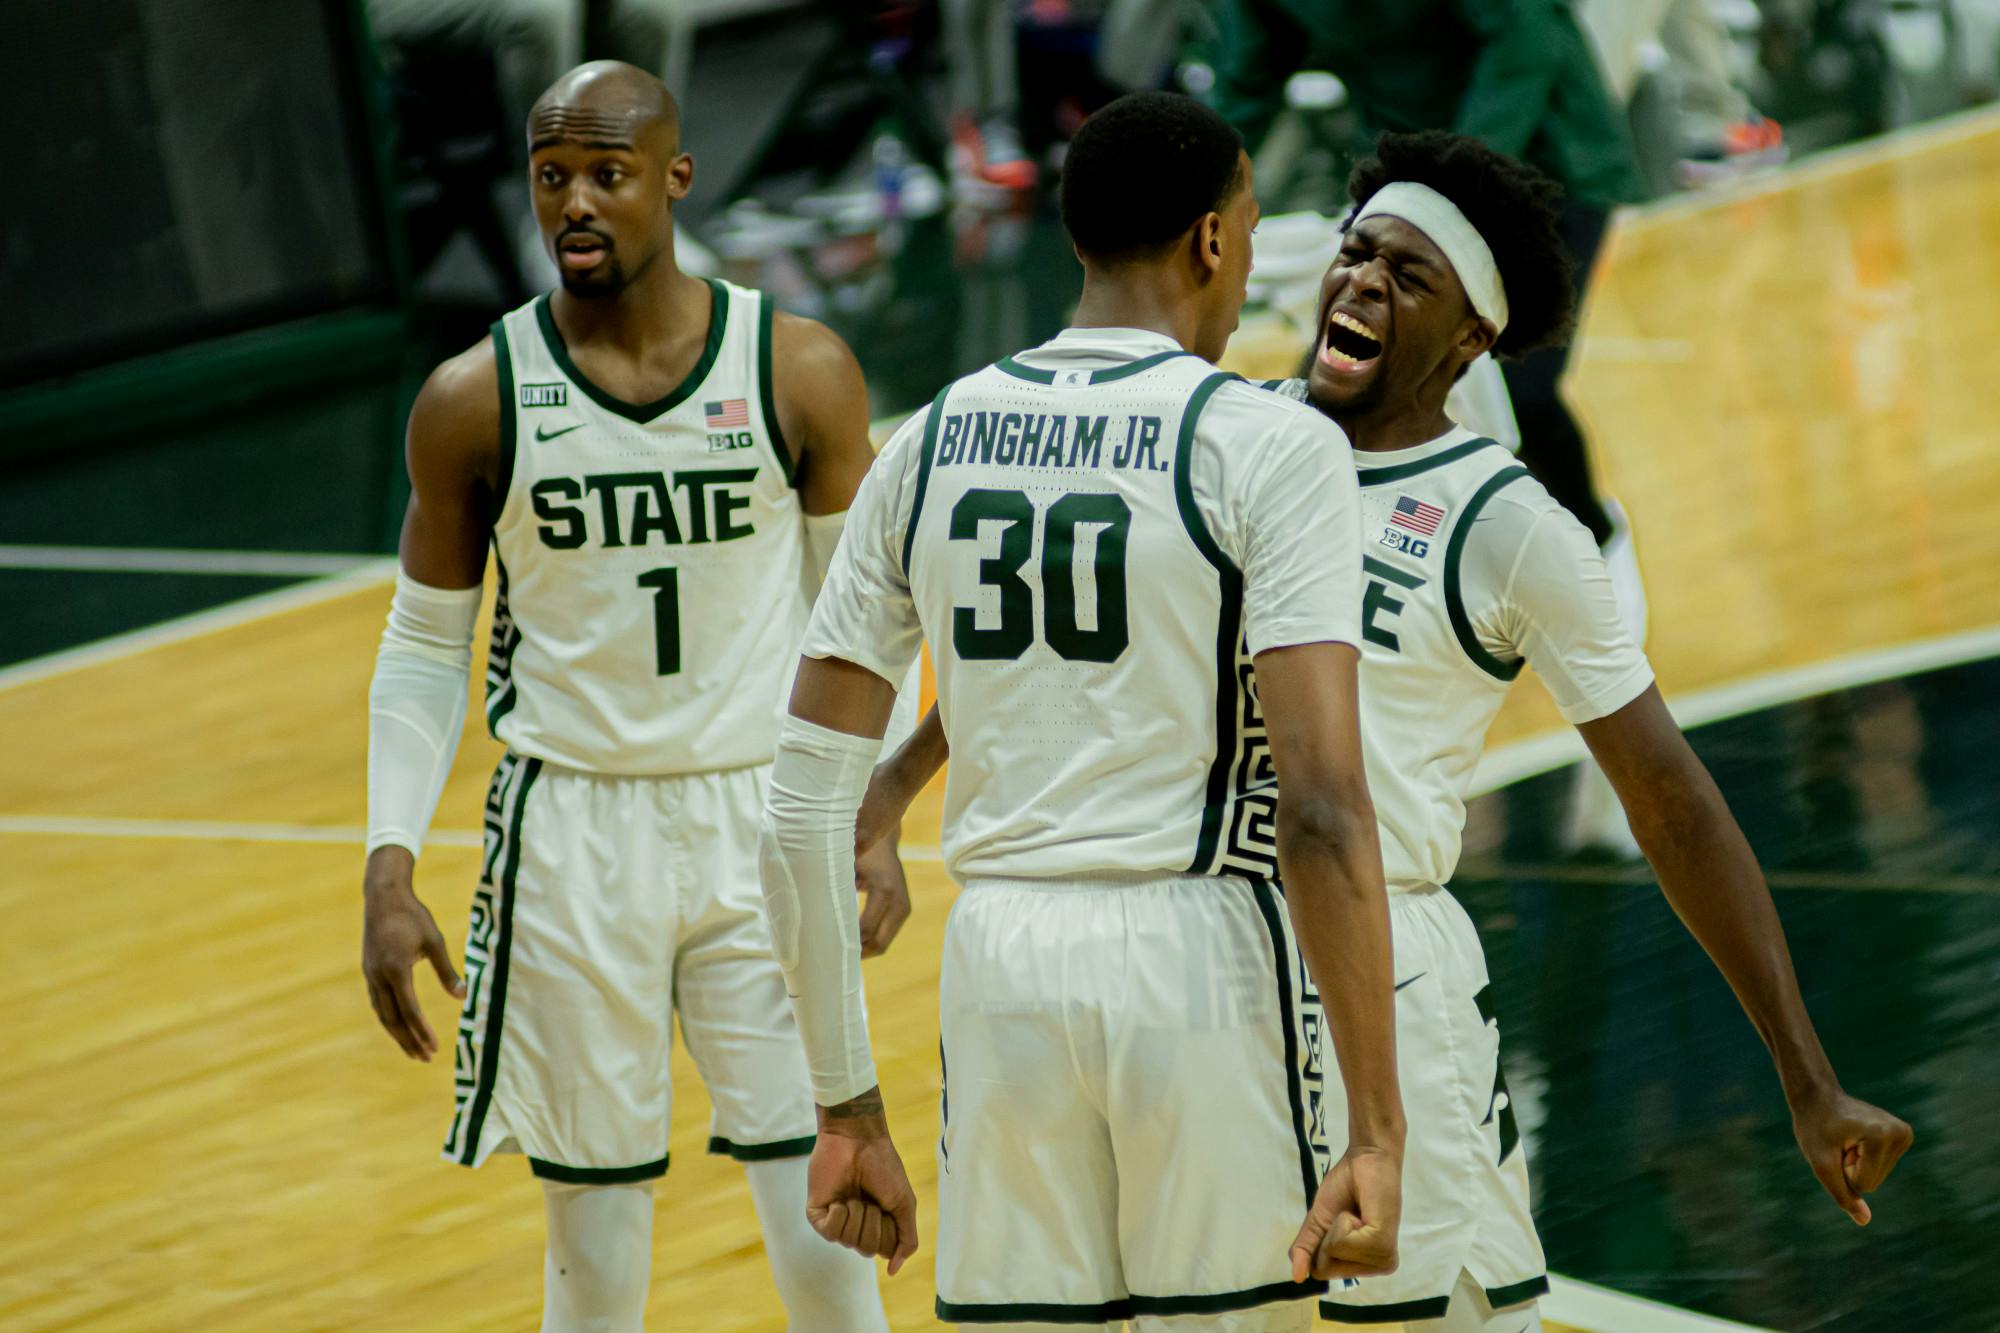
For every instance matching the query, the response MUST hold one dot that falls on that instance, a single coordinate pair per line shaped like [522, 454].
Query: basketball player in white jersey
[1473, 569]
[1100, 537]
[661, 466]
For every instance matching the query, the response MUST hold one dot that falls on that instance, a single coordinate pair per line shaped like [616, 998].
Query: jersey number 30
[1016, 630]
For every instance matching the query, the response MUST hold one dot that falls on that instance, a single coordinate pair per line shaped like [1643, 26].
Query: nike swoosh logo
[542, 433]
[1412, 981]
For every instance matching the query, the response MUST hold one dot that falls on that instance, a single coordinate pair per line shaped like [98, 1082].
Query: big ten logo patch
[722, 442]
[1404, 542]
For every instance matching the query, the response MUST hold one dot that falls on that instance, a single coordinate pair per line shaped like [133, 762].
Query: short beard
[604, 284]
[1358, 406]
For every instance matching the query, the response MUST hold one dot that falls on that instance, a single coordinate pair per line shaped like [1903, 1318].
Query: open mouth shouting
[1349, 346]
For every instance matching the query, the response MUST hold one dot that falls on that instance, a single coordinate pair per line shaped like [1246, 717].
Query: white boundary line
[1908, 142]
[347, 835]
[1600, 1310]
[223, 617]
[160, 560]
[203, 831]
[1501, 766]
[1506, 764]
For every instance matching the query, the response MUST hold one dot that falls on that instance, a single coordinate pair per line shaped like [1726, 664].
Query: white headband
[1438, 218]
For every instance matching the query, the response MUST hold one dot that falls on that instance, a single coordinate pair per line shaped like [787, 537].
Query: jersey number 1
[666, 586]
[1016, 630]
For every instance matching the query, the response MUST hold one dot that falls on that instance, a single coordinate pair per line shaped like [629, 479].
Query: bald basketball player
[661, 466]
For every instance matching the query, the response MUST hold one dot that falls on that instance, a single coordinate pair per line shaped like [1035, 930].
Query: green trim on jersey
[768, 395]
[1225, 1302]
[505, 638]
[1454, 599]
[1012, 366]
[1130, 369]
[1129, 1307]
[718, 321]
[503, 944]
[503, 363]
[1282, 953]
[1500, 1297]
[924, 457]
[760, 1152]
[1229, 622]
[1184, 481]
[1008, 365]
[597, 1175]
[1376, 476]
[1395, 1312]
[1033, 1312]
[1510, 1126]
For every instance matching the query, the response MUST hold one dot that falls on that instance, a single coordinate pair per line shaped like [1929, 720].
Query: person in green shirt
[1518, 75]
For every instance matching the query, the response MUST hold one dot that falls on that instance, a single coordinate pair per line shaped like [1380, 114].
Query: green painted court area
[1659, 1145]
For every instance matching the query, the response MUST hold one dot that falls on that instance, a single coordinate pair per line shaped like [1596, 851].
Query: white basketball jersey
[1429, 690]
[651, 557]
[1077, 566]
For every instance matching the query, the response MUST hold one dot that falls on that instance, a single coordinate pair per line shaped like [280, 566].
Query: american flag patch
[1417, 516]
[727, 414]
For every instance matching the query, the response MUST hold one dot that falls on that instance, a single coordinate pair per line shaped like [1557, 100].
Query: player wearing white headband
[1472, 570]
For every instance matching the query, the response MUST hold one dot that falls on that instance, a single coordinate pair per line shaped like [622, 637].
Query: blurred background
[292, 209]
[239, 233]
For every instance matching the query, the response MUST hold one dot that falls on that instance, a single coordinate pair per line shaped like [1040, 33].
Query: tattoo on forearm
[866, 1106]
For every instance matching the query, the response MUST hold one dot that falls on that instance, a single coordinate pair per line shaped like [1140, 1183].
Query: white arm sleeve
[806, 856]
[416, 707]
[1535, 587]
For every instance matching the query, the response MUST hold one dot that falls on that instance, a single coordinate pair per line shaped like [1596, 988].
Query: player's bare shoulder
[812, 368]
[822, 409]
[808, 346]
[455, 422]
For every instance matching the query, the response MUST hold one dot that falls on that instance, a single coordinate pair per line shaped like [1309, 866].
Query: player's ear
[1208, 242]
[1478, 335]
[680, 176]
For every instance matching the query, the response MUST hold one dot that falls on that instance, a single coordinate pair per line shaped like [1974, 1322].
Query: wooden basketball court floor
[1791, 389]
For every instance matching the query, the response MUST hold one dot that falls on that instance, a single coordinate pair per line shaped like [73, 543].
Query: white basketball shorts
[1465, 1171]
[1125, 1103]
[605, 905]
